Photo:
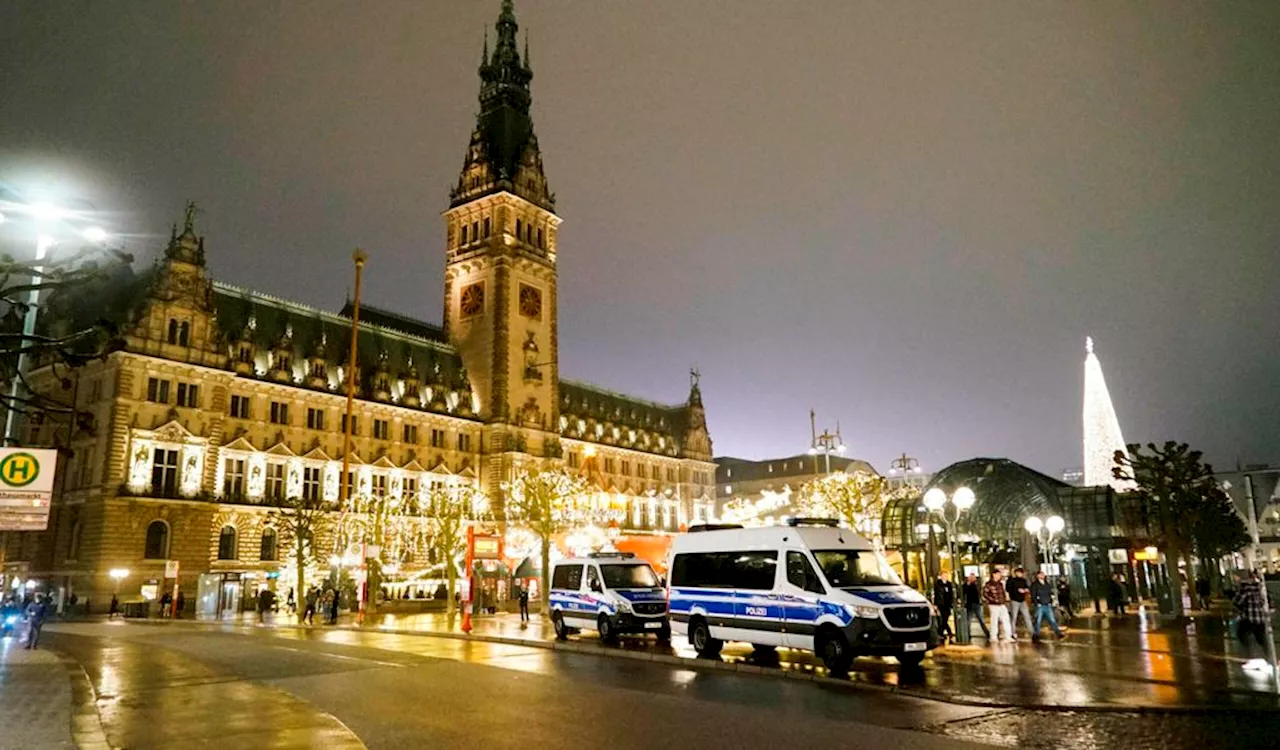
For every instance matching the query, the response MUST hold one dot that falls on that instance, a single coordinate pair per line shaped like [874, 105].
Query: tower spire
[503, 154]
[1102, 436]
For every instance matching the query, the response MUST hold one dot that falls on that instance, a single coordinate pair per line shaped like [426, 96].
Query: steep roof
[639, 423]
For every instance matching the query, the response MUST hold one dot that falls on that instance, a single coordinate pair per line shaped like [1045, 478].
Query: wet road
[171, 685]
[1120, 663]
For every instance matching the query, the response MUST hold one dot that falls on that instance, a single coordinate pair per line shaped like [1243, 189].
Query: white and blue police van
[611, 592]
[807, 585]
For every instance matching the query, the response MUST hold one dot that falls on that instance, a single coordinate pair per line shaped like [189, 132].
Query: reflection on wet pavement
[1069, 730]
[1134, 661]
[154, 697]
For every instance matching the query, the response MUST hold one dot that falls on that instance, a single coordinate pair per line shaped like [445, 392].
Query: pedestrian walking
[1064, 598]
[35, 612]
[309, 606]
[291, 603]
[179, 605]
[1018, 589]
[524, 603]
[266, 598]
[973, 603]
[1253, 615]
[944, 599]
[114, 610]
[165, 601]
[333, 607]
[1042, 595]
[1116, 595]
[996, 597]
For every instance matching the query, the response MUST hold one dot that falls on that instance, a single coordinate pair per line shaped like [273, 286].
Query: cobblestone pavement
[35, 699]
[1068, 730]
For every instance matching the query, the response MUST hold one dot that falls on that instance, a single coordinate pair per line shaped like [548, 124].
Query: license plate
[652, 625]
[914, 646]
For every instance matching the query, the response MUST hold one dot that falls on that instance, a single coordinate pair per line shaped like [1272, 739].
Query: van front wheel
[834, 651]
[604, 626]
[700, 638]
[562, 630]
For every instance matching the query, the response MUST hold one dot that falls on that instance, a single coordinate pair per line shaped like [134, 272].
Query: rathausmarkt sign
[26, 488]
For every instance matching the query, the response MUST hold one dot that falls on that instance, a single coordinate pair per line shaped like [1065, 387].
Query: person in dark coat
[524, 603]
[973, 603]
[1064, 598]
[36, 612]
[115, 608]
[944, 598]
[179, 605]
[1116, 595]
[333, 607]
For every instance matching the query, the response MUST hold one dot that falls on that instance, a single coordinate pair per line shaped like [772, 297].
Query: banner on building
[26, 488]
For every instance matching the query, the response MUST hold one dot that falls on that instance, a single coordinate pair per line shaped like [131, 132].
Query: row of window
[754, 571]
[317, 419]
[157, 543]
[480, 229]
[625, 468]
[159, 390]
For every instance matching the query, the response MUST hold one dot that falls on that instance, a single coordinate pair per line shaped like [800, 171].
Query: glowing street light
[95, 234]
[949, 509]
[118, 575]
[1044, 531]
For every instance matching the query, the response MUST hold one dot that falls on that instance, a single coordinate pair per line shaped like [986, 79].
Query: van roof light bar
[606, 555]
[713, 527]
[833, 523]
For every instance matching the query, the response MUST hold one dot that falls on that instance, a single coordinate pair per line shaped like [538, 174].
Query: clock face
[530, 302]
[472, 300]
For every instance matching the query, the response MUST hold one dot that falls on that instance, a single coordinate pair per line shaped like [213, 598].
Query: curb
[86, 722]
[923, 693]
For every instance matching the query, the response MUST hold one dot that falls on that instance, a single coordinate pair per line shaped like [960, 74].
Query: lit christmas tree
[1102, 437]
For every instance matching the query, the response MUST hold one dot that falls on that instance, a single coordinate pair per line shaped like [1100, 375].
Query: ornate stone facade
[220, 400]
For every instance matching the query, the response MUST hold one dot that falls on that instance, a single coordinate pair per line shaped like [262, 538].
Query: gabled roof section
[641, 425]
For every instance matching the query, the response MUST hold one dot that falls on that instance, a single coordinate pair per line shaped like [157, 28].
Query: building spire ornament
[1102, 436]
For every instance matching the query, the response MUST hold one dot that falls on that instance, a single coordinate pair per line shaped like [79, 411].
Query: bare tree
[857, 498]
[1177, 486]
[547, 503]
[303, 521]
[450, 509]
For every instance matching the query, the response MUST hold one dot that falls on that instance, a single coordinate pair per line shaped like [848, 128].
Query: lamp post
[1044, 531]
[118, 575]
[949, 509]
[45, 217]
[826, 443]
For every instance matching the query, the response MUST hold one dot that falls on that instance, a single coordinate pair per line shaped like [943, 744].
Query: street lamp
[1044, 531]
[44, 214]
[949, 510]
[118, 575]
[826, 443]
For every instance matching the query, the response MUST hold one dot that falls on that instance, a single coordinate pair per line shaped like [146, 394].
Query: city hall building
[218, 401]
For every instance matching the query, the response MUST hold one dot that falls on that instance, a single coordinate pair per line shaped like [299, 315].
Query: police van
[612, 592]
[807, 585]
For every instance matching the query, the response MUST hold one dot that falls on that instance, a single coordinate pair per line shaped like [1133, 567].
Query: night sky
[904, 215]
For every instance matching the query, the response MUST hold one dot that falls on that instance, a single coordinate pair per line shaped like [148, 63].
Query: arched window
[184, 333]
[463, 241]
[157, 545]
[227, 544]
[173, 331]
[267, 548]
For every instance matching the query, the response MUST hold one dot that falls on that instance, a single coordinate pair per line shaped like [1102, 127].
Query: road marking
[338, 656]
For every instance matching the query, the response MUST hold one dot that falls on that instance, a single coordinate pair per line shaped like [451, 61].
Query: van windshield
[628, 576]
[847, 568]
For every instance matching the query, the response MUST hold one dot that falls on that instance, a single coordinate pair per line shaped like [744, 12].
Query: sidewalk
[35, 698]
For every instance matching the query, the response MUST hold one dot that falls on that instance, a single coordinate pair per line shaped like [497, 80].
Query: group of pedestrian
[170, 606]
[1006, 602]
[326, 602]
[33, 610]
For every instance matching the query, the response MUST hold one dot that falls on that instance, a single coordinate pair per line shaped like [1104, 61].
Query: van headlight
[864, 610]
[624, 606]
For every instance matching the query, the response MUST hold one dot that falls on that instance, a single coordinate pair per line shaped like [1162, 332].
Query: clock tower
[500, 268]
